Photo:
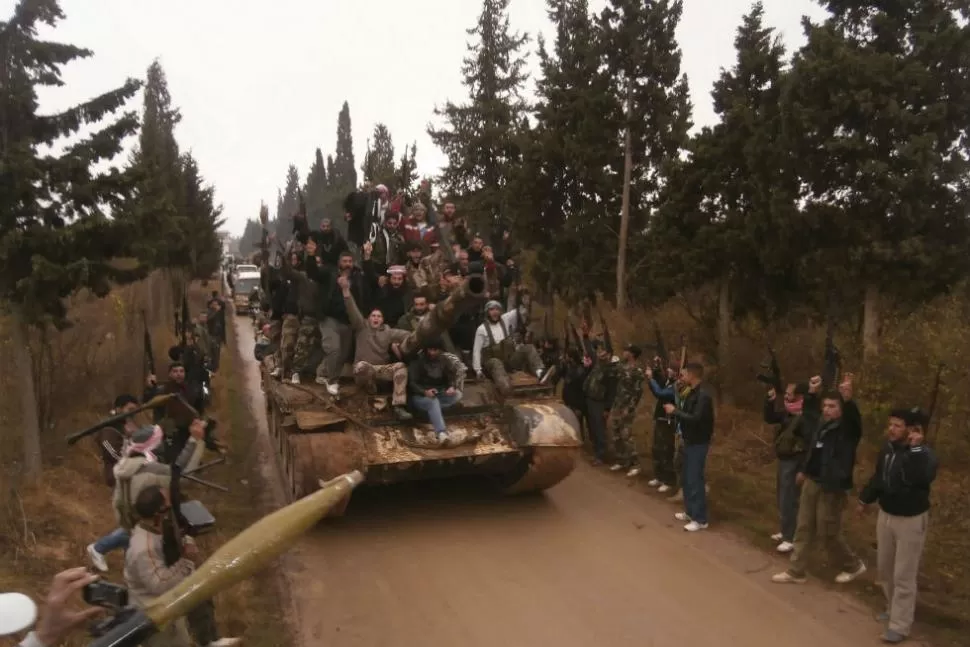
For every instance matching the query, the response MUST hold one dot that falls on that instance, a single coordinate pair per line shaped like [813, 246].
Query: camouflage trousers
[525, 357]
[624, 448]
[289, 331]
[275, 330]
[665, 469]
[306, 339]
[367, 375]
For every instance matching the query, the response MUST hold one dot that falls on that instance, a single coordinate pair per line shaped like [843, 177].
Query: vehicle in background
[243, 286]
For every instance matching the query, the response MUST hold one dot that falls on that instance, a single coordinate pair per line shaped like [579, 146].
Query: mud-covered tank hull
[524, 447]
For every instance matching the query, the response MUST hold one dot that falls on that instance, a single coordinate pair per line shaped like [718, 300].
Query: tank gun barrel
[438, 321]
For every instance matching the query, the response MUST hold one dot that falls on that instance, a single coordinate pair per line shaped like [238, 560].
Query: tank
[526, 442]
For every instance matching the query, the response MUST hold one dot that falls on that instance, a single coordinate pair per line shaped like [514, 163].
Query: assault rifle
[149, 353]
[833, 358]
[771, 372]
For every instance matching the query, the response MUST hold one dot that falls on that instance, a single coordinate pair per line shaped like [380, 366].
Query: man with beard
[372, 358]
[451, 228]
[905, 470]
[417, 229]
[330, 244]
[389, 293]
[388, 247]
[476, 249]
[435, 384]
[826, 480]
[336, 335]
[694, 411]
[791, 436]
[419, 308]
[173, 417]
[495, 353]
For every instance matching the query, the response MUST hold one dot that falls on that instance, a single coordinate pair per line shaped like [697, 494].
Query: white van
[242, 288]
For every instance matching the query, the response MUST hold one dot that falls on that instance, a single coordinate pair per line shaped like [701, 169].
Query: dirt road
[592, 562]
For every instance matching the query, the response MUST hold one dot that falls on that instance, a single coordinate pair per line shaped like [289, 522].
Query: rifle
[833, 358]
[661, 348]
[934, 396]
[173, 522]
[185, 314]
[772, 372]
[155, 402]
[606, 333]
[149, 353]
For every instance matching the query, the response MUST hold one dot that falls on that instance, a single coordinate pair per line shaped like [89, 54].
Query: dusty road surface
[592, 562]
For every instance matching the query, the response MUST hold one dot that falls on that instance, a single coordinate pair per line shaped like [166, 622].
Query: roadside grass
[45, 528]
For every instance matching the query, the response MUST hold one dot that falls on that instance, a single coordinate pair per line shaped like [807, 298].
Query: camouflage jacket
[600, 383]
[630, 382]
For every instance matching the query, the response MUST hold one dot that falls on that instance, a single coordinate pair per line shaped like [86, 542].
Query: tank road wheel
[320, 457]
[542, 467]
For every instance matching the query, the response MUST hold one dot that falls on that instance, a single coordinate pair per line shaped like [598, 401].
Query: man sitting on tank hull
[435, 380]
[372, 359]
[495, 345]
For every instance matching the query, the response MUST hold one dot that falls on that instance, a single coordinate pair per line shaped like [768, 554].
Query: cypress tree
[55, 234]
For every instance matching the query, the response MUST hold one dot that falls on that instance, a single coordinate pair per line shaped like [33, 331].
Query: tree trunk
[625, 205]
[29, 422]
[724, 341]
[870, 325]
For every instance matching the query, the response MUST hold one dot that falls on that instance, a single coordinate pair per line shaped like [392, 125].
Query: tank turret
[438, 321]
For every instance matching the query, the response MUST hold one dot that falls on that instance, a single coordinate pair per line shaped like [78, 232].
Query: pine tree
[202, 219]
[735, 193]
[55, 236]
[564, 184]
[406, 172]
[157, 161]
[651, 107]
[378, 166]
[480, 138]
[316, 190]
[252, 235]
[290, 199]
[343, 177]
[878, 106]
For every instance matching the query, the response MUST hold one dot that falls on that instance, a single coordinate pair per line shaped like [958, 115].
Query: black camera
[112, 597]
[105, 594]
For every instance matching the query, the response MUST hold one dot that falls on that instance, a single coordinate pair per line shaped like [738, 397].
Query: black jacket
[331, 297]
[696, 416]
[424, 374]
[902, 480]
[834, 444]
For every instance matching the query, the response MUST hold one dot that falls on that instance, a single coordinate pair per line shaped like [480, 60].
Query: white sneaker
[634, 471]
[653, 482]
[97, 559]
[693, 526]
[295, 379]
[787, 578]
[663, 488]
[681, 516]
[777, 536]
[322, 381]
[225, 642]
[616, 468]
[333, 389]
[845, 577]
[785, 547]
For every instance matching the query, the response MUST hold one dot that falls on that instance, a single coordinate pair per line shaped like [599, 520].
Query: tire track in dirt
[591, 562]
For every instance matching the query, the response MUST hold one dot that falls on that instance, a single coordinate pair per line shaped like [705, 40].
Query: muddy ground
[592, 562]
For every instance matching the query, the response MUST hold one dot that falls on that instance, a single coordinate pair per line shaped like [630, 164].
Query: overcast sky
[260, 82]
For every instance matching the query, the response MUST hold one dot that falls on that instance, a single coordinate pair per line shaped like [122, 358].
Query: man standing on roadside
[696, 417]
[826, 479]
[790, 443]
[629, 389]
[904, 472]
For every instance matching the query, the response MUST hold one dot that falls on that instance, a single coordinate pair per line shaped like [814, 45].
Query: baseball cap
[17, 613]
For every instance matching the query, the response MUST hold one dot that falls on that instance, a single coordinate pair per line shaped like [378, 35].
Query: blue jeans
[117, 538]
[433, 407]
[695, 497]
